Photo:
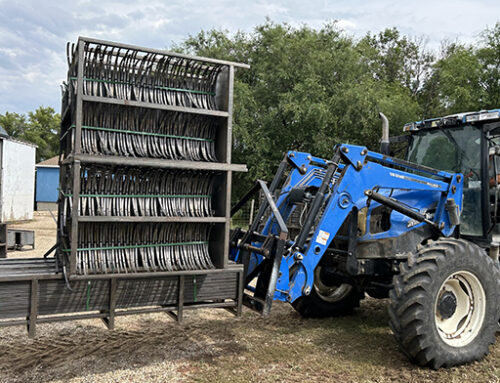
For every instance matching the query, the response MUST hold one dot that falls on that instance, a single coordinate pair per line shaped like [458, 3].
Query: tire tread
[412, 289]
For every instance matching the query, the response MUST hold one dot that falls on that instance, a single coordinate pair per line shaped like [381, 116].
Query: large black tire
[315, 305]
[445, 304]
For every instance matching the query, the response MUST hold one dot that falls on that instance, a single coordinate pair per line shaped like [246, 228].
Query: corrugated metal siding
[47, 182]
[18, 181]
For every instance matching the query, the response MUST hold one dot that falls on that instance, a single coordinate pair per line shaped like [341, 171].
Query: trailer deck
[34, 290]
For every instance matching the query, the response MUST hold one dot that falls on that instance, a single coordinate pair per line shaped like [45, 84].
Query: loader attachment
[271, 248]
[272, 244]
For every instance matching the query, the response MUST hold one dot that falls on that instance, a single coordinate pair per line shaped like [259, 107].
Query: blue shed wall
[47, 182]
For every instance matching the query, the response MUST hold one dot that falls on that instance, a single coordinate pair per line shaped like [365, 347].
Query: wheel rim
[329, 293]
[460, 309]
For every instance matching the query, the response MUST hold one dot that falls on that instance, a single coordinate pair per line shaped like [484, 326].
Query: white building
[17, 179]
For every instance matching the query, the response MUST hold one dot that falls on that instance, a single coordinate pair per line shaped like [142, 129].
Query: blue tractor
[420, 231]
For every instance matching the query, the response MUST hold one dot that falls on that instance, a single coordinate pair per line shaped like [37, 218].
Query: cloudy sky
[33, 34]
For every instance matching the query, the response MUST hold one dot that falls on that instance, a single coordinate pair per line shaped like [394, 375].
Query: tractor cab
[467, 143]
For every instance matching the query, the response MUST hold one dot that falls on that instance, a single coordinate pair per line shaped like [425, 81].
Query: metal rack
[93, 72]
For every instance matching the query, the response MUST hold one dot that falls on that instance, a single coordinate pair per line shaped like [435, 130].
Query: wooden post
[33, 308]
[112, 303]
[241, 287]
[180, 299]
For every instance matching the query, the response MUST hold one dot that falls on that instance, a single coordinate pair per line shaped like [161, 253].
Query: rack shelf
[142, 275]
[156, 163]
[140, 104]
[77, 284]
[152, 219]
[162, 52]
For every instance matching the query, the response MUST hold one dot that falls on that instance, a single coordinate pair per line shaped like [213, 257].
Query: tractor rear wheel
[445, 304]
[329, 297]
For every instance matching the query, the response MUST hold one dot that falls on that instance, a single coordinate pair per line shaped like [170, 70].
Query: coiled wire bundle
[141, 132]
[152, 192]
[124, 247]
[130, 74]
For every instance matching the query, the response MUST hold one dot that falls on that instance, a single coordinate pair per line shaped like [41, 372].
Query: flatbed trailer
[34, 291]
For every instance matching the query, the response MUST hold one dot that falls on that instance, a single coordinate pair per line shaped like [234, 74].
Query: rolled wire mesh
[131, 74]
[129, 191]
[141, 132]
[126, 247]
[138, 192]
[144, 131]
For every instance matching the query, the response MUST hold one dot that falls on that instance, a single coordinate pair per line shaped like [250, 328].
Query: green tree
[489, 57]
[40, 127]
[306, 90]
[393, 58]
[466, 77]
[13, 123]
[456, 80]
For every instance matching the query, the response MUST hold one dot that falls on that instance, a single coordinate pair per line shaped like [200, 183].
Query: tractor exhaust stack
[384, 143]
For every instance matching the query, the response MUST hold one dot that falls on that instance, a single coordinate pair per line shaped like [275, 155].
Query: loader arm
[335, 191]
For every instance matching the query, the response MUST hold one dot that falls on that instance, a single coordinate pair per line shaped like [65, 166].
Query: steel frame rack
[223, 149]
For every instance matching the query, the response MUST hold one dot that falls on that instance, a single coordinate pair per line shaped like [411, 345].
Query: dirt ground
[45, 235]
[214, 346]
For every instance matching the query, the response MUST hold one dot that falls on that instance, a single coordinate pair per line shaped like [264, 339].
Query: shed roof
[50, 163]
[18, 141]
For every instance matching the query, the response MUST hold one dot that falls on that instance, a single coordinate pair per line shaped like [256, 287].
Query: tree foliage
[465, 77]
[40, 127]
[489, 59]
[309, 89]
[397, 59]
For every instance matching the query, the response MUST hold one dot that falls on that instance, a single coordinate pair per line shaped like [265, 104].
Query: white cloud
[33, 34]
[347, 25]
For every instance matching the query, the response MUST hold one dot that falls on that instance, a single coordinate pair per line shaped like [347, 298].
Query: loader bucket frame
[273, 246]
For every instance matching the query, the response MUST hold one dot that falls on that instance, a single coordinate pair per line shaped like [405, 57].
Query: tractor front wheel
[329, 297]
[445, 304]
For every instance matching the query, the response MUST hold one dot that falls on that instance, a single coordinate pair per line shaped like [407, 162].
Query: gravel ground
[45, 235]
[214, 346]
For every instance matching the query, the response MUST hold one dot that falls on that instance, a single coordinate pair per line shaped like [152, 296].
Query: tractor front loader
[329, 232]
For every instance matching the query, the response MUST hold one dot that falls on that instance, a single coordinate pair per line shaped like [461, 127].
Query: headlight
[482, 116]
